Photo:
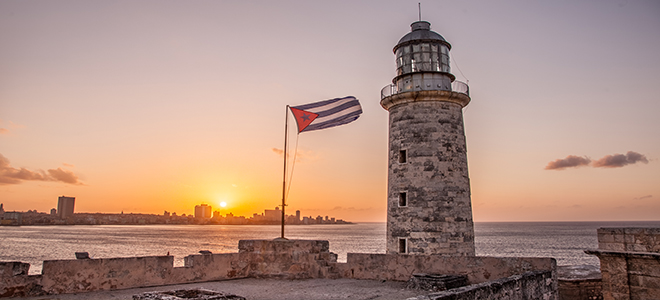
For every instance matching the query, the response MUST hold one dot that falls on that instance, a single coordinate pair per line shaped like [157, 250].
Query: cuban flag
[326, 114]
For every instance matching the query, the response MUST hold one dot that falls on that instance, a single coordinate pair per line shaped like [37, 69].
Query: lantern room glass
[422, 57]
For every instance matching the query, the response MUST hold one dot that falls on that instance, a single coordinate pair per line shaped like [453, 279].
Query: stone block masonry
[629, 263]
[283, 259]
[428, 167]
[629, 239]
[530, 285]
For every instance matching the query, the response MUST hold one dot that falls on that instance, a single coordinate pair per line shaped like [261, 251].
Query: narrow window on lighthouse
[403, 199]
[403, 243]
[403, 157]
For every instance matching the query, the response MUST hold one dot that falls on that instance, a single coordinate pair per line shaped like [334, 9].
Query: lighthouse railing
[456, 86]
[388, 90]
[460, 87]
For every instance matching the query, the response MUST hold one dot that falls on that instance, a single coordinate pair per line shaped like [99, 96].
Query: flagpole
[286, 135]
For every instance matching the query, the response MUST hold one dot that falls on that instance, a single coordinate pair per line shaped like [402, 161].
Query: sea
[565, 241]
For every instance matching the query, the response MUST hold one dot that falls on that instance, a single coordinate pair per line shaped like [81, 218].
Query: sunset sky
[146, 106]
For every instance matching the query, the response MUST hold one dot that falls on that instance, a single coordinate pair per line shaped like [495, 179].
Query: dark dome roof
[421, 31]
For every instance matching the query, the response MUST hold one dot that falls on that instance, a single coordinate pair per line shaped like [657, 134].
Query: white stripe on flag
[338, 114]
[330, 106]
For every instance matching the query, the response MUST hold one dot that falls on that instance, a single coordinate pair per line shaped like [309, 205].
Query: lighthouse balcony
[391, 89]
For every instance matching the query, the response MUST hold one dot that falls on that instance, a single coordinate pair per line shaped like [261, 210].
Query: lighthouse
[429, 209]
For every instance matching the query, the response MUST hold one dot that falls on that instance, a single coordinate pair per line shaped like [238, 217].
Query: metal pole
[286, 134]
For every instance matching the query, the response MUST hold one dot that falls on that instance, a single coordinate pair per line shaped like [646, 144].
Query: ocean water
[565, 241]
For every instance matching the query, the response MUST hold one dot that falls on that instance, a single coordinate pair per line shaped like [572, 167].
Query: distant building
[53, 211]
[298, 215]
[203, 211]
[2, 210]
[65, 206]
[273, 214]
[11, 218]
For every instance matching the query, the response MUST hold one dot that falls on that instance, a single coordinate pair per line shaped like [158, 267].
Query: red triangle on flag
[303, 118]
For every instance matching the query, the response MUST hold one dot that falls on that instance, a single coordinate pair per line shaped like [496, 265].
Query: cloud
[11, 175]
[301, 155]
[643, 197]
[620, 160]
[12, 125]
[608, 161]
[570, 161]
[63, 175]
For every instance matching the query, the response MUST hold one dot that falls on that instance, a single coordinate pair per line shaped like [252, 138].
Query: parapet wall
[530, 285]
[629, 262]
[286, 259]
[629, 239]
[477, 268]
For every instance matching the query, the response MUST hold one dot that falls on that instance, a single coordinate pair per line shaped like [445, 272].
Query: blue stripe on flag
[322, 103]
[333, 112]
[333, 123]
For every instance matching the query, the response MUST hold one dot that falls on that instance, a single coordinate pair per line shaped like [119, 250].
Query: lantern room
[422, 60]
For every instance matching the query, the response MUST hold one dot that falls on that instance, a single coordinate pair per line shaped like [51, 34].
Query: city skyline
[149, 106]
[202, 216]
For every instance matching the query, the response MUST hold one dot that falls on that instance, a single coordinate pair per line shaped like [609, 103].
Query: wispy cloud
[11, 175]
[301, 155]
[620, 160]
[6, 130]
[571, 161]
[643, 197]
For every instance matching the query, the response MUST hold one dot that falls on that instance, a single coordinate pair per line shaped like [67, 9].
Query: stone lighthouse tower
[428, 200]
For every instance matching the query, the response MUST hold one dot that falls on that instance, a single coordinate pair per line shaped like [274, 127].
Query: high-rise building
[273, 214]
[65, 206]
[203, 211]
[429, 209]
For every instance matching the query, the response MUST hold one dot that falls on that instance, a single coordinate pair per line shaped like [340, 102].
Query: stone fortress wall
[490, 277]
[629, 262]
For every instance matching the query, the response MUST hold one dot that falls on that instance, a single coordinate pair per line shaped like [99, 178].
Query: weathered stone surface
[437, 215]
[629, 239]
[83, 275]
[530, 285]
[477, 268]
[193, 294]
[279, 245]
[15, 282]
[580, 282]
[629, 262]
[436, 282]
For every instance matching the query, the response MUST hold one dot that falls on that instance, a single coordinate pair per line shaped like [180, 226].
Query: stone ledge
[623, 254]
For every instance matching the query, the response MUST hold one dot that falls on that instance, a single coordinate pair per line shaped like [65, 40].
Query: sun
[223, 204]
